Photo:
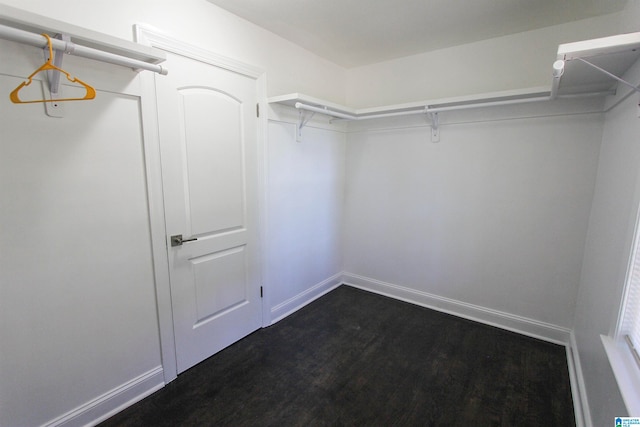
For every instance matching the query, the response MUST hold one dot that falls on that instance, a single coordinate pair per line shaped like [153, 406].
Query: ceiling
[352, 33]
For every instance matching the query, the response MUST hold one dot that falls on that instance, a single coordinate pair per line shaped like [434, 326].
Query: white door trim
[152, 37]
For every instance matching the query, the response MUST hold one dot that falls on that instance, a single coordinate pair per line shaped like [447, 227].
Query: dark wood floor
[354, 358]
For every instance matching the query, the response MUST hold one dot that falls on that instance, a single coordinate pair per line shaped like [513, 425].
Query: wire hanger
[90, 91]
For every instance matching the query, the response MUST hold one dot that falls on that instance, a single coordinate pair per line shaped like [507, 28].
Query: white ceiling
[359, 32]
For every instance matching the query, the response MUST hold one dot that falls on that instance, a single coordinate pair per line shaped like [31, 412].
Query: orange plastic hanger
[90, 94]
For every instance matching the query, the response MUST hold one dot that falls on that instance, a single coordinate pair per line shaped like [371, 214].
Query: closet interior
[511, 205]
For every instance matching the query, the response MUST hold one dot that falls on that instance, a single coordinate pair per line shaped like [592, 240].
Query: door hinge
[257, 110]
[261, 293]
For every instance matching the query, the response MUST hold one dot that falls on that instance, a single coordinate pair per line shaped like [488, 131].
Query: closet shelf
[460, 102]
[615, 54]
[583, 69]
[292, 98]
[26, 27]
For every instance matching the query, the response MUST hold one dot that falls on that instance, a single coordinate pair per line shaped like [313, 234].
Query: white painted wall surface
[77, 299]
[512, 62]
[305, 191]
[611, 225]
[494, 215]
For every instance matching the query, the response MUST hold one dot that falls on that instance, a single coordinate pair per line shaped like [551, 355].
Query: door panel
[220, 282]
[208, 133]
[211, 122]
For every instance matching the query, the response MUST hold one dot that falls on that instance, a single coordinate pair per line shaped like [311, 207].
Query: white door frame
[152, 37]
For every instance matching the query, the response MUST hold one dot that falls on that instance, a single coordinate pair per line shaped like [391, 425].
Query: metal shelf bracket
[613, 76]
[56, 109]
[435, 126]
[303, 119]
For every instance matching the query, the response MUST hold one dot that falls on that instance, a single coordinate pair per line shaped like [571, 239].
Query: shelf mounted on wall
[568, 80]
[28, 28]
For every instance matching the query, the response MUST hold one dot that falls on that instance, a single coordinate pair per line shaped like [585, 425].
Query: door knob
[177, 240]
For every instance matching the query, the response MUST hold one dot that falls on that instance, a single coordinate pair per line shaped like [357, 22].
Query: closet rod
[558, 70]
[325, 110]
[487, 104]
[37, 40]
[397, 113]
[422, 110]
[339, 115]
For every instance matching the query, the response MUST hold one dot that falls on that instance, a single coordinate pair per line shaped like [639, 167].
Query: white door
[208, 132]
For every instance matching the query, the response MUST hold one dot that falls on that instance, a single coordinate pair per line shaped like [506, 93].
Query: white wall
[607, 250]
[613, 215]
[512, 62]
[494, 215]
[305, 191]
[77, 294]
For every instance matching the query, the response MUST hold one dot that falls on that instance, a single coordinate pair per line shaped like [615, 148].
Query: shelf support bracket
[303, 119]
[435, 126]
[56, 109]
[613, 76]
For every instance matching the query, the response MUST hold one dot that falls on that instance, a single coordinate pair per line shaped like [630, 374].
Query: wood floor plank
[356, 358]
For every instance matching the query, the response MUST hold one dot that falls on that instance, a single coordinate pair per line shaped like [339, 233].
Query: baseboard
[112, 402]
[522, 325]
[578, 387]
[294, 304]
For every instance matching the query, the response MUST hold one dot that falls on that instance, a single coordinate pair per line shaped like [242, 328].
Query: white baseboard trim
[578, 387]
[112, 402]
[522, 325]
[294, 304]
